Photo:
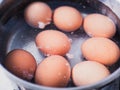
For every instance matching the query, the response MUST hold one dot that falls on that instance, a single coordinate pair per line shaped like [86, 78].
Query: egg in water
[38, 14]
[53, 42]
[101, 49]
[98, 25]
[53, 71]
[67, 18]
[21, 63]
[89, 72]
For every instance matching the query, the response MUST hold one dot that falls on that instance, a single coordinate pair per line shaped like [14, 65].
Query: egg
[38, 14]
[53, 42]
[21, 63]
[53, 71]
[89, 72]
[98, 25]
[100, 49]
[67, 18]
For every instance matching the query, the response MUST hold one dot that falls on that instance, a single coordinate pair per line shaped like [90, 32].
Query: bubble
[70, 56]
[41, 25]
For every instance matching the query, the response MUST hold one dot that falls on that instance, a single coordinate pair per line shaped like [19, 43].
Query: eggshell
[67, 18]
[100, 49]
[53, 71]
[53, 42]
[88, 72]
[21, 63]
[38, 14]
[98, 25]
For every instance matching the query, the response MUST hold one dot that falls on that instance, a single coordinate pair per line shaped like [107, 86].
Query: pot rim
[99, 84]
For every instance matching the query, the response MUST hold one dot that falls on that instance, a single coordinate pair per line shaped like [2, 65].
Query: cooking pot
[15, 33]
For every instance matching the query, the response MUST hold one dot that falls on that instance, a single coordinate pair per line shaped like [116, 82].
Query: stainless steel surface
[6, 83]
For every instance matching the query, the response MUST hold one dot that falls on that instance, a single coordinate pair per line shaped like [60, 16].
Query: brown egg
[98, 25]
[53, 42]
[100, 49]
[53, 71]
[88, 72]
[67, 18]
[38, 14]
[21, 63]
